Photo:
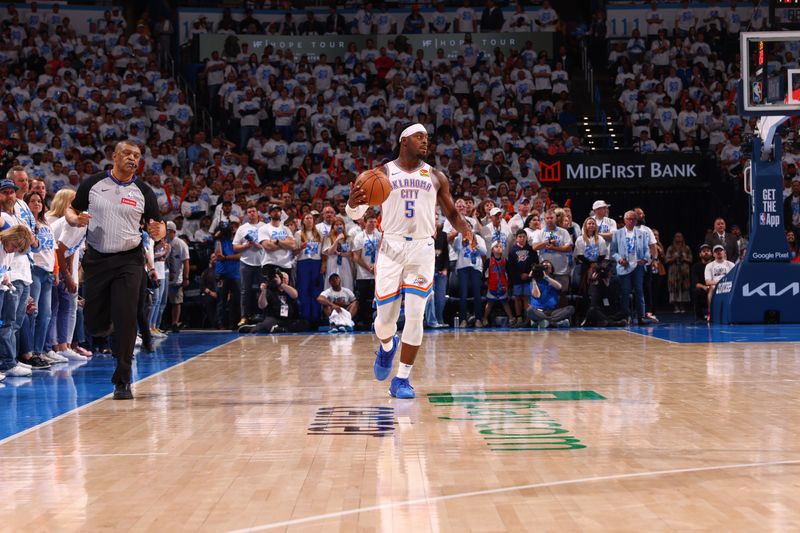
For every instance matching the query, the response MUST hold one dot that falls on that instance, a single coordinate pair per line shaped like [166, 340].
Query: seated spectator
[339, 305]
[278, 302]
[700, 289]
[544, 308]
[716, 270]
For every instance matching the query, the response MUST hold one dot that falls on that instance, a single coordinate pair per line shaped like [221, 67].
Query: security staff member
[113, 204]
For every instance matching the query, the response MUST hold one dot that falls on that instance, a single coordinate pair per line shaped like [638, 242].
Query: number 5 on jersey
[409, 208]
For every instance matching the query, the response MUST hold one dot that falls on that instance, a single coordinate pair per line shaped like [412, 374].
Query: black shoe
[123, 392]
[176, 328]
[247, 328]
[147, 346]
[37, 363]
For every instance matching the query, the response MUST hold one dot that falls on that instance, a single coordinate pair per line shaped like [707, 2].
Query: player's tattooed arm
[449, 210]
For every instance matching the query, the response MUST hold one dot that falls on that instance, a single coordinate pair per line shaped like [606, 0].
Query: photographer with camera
[544, 299]
[278, 302]
[605, 297]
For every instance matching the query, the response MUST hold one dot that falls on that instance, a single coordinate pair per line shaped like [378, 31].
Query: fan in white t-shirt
[717, 269]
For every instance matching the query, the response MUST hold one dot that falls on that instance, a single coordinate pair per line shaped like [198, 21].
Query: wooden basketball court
[510, 431]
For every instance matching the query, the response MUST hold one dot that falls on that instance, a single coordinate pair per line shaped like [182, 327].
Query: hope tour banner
[622, 170]
[336, 45]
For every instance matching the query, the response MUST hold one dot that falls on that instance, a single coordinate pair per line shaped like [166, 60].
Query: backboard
[770, 72]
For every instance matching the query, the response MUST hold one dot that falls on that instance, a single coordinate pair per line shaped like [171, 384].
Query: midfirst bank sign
[620, 170]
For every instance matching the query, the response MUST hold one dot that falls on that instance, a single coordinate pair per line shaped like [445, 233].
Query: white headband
[411, 130]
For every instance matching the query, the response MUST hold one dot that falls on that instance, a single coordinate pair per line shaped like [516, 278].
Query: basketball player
[405, 263]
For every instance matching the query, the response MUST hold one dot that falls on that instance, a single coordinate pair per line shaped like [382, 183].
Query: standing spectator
[335, 23]
[492, 19]
[720, 236]
[469, 266]
[590, 248]
[414, 22]
[42, 279]
[227, 268]
[440, 277]
[466, 20]
[497, 229]
[679, 261]
[606, 226]
[179, 273]
[365, 252]
[439, 22]
[208, 293]
[161, 251]
[20, 274]
[62, 300]
[364, 20]
[546, 18]
[251, 257]
[630, 249]
[308, 254]
[497, 289]
[338, 250]
[13, 240]
[521, 258]
[791, 208]
[277, 241]
[555, 245]
[741, 242]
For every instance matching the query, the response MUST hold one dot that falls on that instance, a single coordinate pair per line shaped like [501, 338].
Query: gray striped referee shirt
[117, 211]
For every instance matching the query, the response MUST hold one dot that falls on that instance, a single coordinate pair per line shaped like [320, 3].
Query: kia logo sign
[550, 173]
[770, 289]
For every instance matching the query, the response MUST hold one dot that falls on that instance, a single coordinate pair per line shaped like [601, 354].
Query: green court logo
[513, 420]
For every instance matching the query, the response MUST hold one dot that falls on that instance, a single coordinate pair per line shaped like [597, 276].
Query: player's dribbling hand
[358, 196]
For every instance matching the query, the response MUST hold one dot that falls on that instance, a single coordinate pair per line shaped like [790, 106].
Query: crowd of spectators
[258, 237]
[676, 85]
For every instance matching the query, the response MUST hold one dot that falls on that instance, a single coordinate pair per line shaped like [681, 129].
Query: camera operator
[605, 297]
[544, 299]
[278, 301]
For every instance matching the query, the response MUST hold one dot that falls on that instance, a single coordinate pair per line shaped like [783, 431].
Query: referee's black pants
[111, 289]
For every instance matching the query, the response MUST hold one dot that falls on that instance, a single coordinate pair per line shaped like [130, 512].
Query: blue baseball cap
[8, 184]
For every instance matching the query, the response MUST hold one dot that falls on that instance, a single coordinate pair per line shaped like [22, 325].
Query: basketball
[376, 185]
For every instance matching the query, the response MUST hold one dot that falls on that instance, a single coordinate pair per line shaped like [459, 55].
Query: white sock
[387, 345]
[404, 370]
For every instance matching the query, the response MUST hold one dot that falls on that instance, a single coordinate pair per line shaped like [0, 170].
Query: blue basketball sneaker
[383, 360]
[401, 388]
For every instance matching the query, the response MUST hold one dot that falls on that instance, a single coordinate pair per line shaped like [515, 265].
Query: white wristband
[356, 213]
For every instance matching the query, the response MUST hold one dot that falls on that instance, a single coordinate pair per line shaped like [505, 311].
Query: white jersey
[410, 209]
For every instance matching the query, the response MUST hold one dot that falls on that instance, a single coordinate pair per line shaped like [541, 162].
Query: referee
[113, 204]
